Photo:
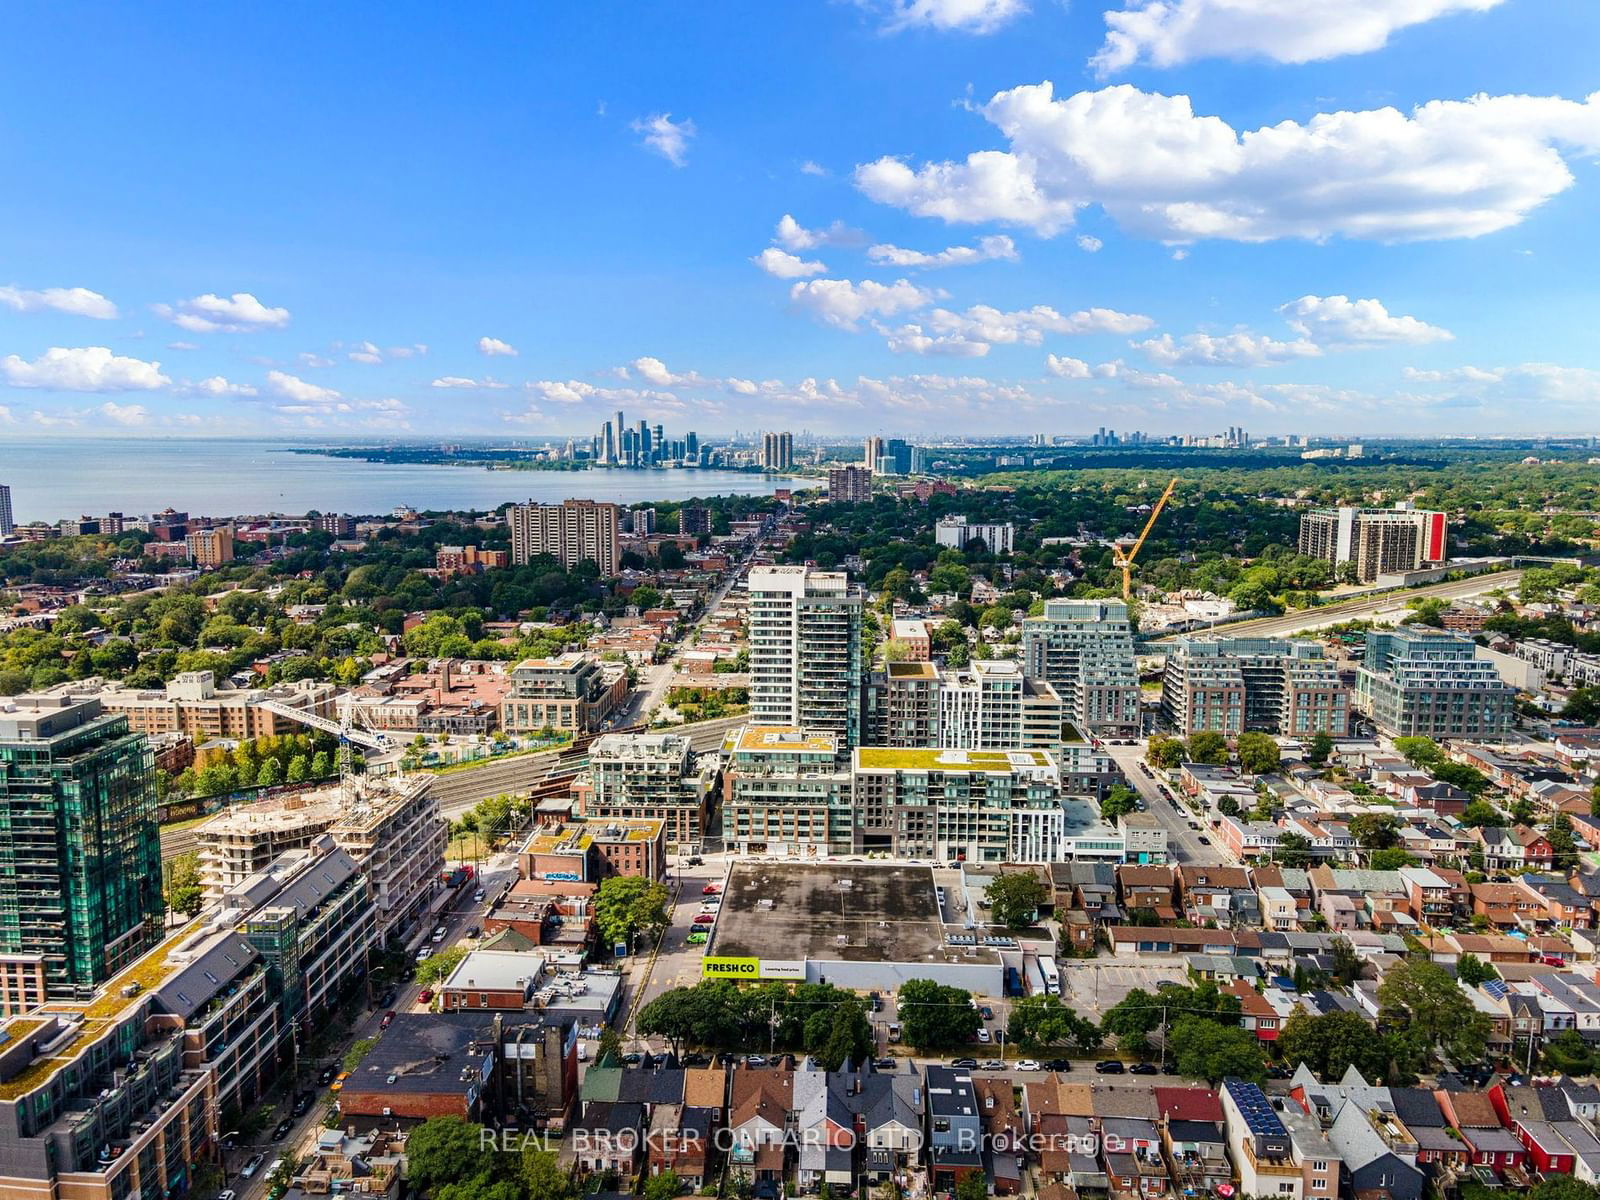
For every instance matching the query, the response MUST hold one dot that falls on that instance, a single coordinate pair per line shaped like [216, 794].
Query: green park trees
[1015, 898]
[627, 905]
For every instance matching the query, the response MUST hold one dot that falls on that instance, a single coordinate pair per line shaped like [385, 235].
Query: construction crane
[1124, 557]
[344, 729]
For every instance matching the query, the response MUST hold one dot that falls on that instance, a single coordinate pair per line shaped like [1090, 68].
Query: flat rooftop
[783, 737]
[833, 911]
[913, 670]
[887, 758]
[574, 837]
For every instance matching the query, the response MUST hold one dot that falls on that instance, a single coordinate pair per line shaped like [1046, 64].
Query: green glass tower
[80, 846]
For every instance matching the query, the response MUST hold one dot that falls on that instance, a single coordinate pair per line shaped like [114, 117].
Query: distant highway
[1352, 610]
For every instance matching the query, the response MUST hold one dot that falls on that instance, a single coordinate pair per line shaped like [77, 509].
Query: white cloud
[783, 265]
[124, 414]
[80, 302]
[667, 137]
[415, 350]
[293, 388]
[365, 352]
[239, 313]
[460, 382]
[970, 334]
[959, 16]
[310, 359]
[84, 369]
[1339, 320]
[813, 168]
[182, 346]
[218, 386]
[1450, 168]
[1512, 393]
[993, 247]
[494, 347]
[1228, 349]
[841, 303]
[1088, 244]
[1067, 368]
[792, 235]
[1168, 33]
[743, 387]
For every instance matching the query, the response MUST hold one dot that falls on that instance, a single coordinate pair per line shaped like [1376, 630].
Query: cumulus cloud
[218, 386]
[841, 303]
[309, 358]
[297, 390]
[969, 334]
[83, 369]
[792, 235]
[415, 350]
[79, 302]
[462, 383]
[668, 138]
[996, 246]
[1088, 244]
[365, 352]
[1448, 169]
[958, 16]
[494, 347]
[238, 313]
[1067, 368]
[1229, 349]
[1168, 33]
[783, 265]
[1339, 320]
[812, 168]
[124, 414]
[1512, 392]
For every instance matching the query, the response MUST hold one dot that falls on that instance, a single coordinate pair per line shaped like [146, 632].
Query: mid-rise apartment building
[210, 547]
[570, 693]
[900, 706]
[777, 451]
[786, 791]
[1375, 541]
[392, 827]
[193, 704]
[1429, 683]
[958, 533]
[1084, 649]
[571, 532]
[849, 485]
[1271, 685]
[948, 804]
[244, 840]
[80, 859]
[592, 851]
[805, 650]
[650, 775]
[692, 518]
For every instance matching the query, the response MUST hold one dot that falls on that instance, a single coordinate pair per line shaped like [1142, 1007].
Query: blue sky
[1355, 217]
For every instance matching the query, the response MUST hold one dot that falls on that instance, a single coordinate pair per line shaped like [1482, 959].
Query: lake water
[56, 478]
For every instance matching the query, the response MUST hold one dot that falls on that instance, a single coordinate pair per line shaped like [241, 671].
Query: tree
[1594, 801]
[629, 904]
[1329, 1044]
[975, 1187]
[1015, 898]
[1563, 847]
[1347, 964]
[1228, 806]
[1469, 779]
[1480, 814]
[1472, 970]
[1320, 749]
[934, 1016]
[1165, 752]
[1375, 831]
[543, 1178]
[446, 1150]
[1119, 802]
[299, 768]
[183, 884]
[1205, 1050]
[270, 774]
[437, 968]
[1419, 751]
[1208, 746]
[664, 1186]
[1391, 859]
[1424, 994]
[1563, 1187]
[1258, 753]
[1568, 1054]
[321, 765]
[1039, 1022]
[1294, 850]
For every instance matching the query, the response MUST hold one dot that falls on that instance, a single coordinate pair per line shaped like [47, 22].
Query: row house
[1330, 840]
[1222, 896]
[1514, 848]
[1557, 1139]
[1488, 1142]
[1147, 887]
[1257, 1013]
[1249, 841]
[1435, 896]
[1559, 901]
[1506, 905]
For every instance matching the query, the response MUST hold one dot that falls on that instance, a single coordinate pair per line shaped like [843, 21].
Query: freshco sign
[730, 968]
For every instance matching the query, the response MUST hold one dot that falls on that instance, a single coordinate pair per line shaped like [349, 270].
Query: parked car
[425, 995]
[970, 1063]
[250, 1168]
[325, 1076]
[894, 1031]
[440, 933]
[697, 938]
[282, 1131]
[705, 919]
[388, 1020]
[1144, 1069]
[983, 1036]
[991, 1064]
[303, 1102]
[885, 1064]
[338, 1081]
[1111, 1066]
[874, 1002]
[473, 931]
[1029, 1064]
[227, 1194]
[711, 889]
[986, 1013]
[1058, 1064]
[425, 953]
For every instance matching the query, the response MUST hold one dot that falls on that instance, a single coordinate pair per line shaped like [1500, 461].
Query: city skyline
[951, 214]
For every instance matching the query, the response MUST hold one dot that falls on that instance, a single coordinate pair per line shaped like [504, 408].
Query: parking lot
[1093, 987]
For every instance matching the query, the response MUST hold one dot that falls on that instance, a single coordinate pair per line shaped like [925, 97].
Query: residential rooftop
[886, 758]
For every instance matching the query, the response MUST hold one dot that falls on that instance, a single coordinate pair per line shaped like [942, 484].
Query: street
[1183, 843]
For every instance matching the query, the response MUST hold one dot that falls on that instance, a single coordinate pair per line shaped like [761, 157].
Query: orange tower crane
[1124, 557]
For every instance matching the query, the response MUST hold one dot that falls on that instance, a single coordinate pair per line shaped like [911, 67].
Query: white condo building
[805, 650]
